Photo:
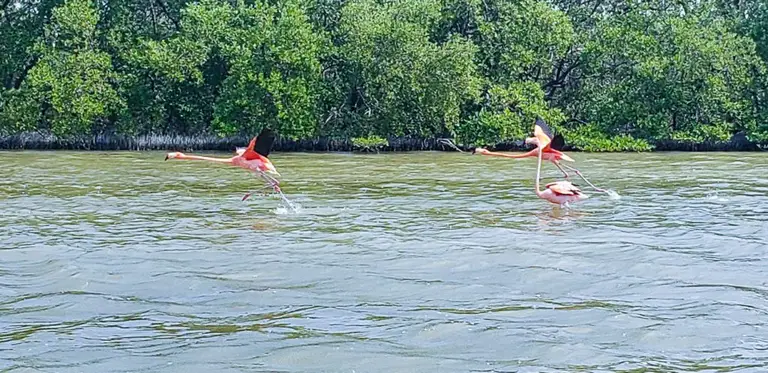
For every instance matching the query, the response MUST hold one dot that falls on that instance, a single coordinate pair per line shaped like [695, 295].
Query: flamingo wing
[543, 133]
[563, 188]
[558, 142]
[260, 146]
[560, 154]
[249, 154]
[264, 142]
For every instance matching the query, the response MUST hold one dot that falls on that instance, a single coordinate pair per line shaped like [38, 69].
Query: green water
[423, 262]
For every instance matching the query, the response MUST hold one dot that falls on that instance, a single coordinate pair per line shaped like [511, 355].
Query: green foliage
[654, 77]
[391, 79]
[71, 87]
[270, 55]
[507, 114]
[760, 135]
[630, 72]
[715, 132]
[370, 143]
[522, 40]
[19, 111]
[589, 138]
[517, 40]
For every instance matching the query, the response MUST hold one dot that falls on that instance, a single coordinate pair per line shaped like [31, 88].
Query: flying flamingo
[560, 192]
[253, 158]
[550, 147]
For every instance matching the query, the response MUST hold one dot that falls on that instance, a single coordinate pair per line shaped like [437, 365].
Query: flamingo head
[173, 155]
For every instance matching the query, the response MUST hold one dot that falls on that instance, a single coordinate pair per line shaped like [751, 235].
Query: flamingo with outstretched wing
[254, 157]
[551, 150]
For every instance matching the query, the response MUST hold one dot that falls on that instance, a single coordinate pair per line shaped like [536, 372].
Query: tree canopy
[610, 74]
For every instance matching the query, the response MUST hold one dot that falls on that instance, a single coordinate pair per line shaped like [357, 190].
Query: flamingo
[253, 158]
[559, 192]
[550, 147]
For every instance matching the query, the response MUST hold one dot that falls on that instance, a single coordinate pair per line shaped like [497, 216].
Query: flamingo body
[256, 165]
[561, 192]
[259, 164]
[548, 148]
[253, 158]
[543, 139]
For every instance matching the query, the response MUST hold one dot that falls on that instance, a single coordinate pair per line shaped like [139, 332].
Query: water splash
[282, 210]
[288, 206]
[715, 196]
[612, 194]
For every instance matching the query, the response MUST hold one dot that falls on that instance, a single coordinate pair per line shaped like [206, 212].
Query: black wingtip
[264, 141]
[166, 157]
[558, 142]
[266, 131]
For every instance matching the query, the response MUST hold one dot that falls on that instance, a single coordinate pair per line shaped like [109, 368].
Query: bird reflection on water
[561, 213]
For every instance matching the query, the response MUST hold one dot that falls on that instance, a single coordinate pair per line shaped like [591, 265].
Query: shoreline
[36, 141]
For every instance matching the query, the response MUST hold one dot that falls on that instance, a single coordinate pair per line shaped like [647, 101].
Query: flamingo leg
[271, 183]
[275, 185]
[561, 169]
[255, 191]
[585, 179]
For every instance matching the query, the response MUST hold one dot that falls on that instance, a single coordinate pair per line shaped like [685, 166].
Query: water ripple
[404, 262]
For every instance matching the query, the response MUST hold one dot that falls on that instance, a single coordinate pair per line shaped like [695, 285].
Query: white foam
[713, 196]
[288, 208]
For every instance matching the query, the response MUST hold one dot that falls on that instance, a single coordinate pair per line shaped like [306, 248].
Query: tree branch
[162, 6]
[18, 79]
[561, 75]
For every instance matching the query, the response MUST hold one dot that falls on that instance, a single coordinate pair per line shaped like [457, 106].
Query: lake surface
[419, 262]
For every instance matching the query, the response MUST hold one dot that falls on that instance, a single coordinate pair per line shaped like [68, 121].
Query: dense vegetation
[610, 74]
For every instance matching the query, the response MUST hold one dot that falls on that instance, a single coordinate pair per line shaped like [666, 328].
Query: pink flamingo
[550, 146]
[560, 192]
[253, 158]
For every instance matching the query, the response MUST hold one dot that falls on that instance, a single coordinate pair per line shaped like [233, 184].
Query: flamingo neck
[529, 154]
[538, 173]
[524, 155]
[201, 158]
